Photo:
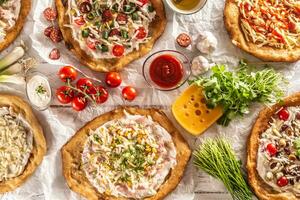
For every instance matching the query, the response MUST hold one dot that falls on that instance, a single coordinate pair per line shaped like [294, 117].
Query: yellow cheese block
[191, 112]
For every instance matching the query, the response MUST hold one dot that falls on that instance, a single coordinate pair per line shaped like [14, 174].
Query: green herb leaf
[40, 89]
[236, 91]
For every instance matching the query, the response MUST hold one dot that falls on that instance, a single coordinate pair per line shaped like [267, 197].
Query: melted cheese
[271, 23]
[15, 144]
[191, 112]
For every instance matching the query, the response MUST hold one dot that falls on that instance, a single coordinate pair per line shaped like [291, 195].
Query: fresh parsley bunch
[235, 91]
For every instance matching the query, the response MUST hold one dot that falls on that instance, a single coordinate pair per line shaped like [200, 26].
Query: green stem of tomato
[79, 91]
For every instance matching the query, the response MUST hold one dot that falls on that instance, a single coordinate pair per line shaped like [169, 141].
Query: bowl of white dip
[38, 90]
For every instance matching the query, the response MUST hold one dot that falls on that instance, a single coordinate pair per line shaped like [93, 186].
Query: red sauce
[166, 71]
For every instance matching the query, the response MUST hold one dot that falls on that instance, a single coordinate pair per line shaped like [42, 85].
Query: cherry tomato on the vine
[84, 85]
[64, 94]
[129, 93]
[79, 103]
[99, 94]
[113, 79]
[67, 74]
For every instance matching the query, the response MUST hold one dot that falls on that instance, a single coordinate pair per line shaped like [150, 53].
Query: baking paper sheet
[61, 123]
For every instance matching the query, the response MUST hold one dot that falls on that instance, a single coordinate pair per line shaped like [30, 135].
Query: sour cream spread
[9, 12]
[278, 160]
[16, 143]
[99, 25]
[129, 157]
[39, 91]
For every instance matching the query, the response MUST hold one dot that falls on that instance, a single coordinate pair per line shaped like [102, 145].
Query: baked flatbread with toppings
[273, 160]
[269, 30]
[128, 153]
[108, 35]
[22, 143]
[13, 15]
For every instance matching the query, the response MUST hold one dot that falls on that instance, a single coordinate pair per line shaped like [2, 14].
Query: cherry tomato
[272, 150]
[79, 103]
[64, 94]
[283, 114]
[91, 44]
[282, 181]
[113, 79]
[67, 73]
[118, 50]
[141, 33]
[84, 85]
[143, 2]
[129, 93]
[80, 21]
[99, 94]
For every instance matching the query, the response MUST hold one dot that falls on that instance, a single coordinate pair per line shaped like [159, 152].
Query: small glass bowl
[200, 5]
[30, 74]
[185, 62]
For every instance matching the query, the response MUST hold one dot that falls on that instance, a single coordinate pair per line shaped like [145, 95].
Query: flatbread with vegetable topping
[108, 35]
[13, 15]
[269, 30]
[128, 153]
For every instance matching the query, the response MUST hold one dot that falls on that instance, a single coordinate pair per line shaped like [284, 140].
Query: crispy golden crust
[156, 29]
[232, 23]
[13, 33]
[39, 143]
[262, 190]
[71, 154]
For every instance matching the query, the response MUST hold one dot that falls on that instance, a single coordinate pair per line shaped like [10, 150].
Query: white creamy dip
[97, 28]
[285, 163]
[129, 157]
[9, 12]
[16, 143]
[39, 91]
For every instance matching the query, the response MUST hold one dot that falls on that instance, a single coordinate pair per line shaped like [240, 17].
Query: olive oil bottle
[186, 4]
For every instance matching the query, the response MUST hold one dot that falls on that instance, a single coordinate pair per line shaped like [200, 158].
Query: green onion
[217, 158]
[85, 32]
[91, 16]
[12, 57]
[105, 34]
[15, 79]
[124, 34]
[102, 47]
[13, 69]
[135, 16]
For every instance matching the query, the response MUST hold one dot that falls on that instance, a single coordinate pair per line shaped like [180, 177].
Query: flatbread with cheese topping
[13, 15]
[22, 143]
[108, 35]
[269, 30]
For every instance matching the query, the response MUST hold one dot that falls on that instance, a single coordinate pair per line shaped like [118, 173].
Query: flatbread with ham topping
[128, 153]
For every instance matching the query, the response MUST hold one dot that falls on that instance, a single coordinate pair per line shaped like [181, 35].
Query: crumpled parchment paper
[61, 123]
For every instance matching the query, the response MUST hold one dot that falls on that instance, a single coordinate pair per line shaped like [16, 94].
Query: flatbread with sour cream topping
[128, 153]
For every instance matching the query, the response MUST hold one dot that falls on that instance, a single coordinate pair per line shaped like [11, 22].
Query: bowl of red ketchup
[166, 70]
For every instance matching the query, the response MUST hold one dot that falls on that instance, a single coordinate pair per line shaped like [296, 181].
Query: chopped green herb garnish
[40, 89]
